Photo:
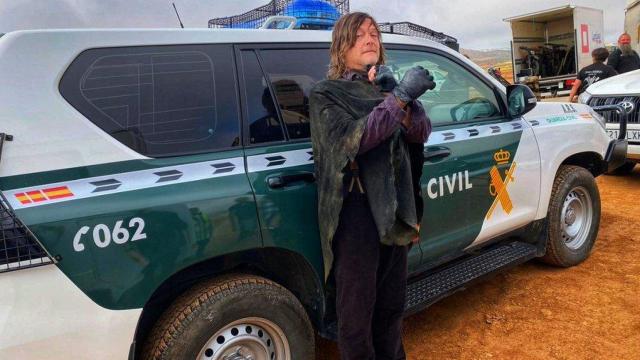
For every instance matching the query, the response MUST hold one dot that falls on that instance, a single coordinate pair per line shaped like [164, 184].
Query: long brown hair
[343, 38]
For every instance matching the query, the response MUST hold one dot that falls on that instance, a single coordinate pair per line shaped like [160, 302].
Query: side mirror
[520, 100]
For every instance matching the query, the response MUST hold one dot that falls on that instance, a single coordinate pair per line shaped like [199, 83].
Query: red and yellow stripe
[36, 196]
[43, 195]
[23, 198]
[57, 192]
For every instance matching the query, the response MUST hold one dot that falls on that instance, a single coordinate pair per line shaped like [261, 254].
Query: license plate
[632, 135]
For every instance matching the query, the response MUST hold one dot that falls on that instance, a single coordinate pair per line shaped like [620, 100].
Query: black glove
[384, 78]
[415, 82]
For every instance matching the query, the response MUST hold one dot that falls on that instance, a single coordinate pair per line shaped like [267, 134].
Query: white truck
[549, 47]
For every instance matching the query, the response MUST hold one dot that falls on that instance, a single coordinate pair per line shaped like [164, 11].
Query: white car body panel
[524, 192]
[560, 140]
[45, 316]
[623, 84]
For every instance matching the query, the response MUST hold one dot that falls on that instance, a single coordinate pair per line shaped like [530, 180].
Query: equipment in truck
[554, 44]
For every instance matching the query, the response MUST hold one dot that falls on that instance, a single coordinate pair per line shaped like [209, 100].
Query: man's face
[366, 50]
[626, 49]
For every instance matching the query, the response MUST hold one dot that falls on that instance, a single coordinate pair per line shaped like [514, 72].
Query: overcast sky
[476, 24]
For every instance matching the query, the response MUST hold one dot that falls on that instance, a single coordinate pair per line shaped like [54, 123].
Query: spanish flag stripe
[36, 196]
[60, 188]
[57, 193]
[23, 198]
[59, 196]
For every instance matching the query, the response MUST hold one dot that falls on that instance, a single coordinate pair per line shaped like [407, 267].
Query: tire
[625, 169]
[574, 217]
[214, 319]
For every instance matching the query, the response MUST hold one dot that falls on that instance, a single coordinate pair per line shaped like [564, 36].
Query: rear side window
[292, 73]
[260, 110]
[158, 100]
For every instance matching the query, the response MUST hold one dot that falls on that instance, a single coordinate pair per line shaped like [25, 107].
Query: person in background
[624, 58]
[592, 73]
[368, 133]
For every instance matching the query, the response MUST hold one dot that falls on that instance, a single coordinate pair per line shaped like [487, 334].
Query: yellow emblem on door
[498, 186]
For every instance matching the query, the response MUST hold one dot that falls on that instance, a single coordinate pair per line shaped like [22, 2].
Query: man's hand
[371, 73]
[416, 239]
[384, 78]
[415, 82]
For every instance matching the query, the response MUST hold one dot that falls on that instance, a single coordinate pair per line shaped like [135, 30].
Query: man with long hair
[368, 133]
[624, 58]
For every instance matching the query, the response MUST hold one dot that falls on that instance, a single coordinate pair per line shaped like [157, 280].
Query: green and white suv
[158, 196]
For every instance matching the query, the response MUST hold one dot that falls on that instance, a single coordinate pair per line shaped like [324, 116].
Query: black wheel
[235, 317]
[573, 215]
[625, 169]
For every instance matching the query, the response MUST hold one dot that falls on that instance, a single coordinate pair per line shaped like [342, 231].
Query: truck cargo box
[549, 47]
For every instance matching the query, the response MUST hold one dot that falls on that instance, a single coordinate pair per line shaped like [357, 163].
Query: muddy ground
[535, 311]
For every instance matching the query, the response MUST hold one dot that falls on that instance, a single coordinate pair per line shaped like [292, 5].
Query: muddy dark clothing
[365, 231]
[371, 282]
[624, 63]
[340, 112]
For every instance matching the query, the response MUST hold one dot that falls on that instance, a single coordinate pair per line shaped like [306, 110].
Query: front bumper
[616, 154]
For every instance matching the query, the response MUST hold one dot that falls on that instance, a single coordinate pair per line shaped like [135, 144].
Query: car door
[481, 171]
[274, 85]
[279, 154]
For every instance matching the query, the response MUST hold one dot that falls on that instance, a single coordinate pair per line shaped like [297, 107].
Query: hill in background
[497, 58]
[487, 57]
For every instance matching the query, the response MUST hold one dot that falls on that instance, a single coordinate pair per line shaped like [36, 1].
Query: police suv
[158, 197]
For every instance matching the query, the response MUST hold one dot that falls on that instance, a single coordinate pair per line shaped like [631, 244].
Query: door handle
[435, 154]
[280, 181]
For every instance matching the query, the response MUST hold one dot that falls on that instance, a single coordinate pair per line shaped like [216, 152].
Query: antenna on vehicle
[178, 15]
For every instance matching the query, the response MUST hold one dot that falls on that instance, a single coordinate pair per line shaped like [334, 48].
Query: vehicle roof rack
[411, 29]
[310, 14]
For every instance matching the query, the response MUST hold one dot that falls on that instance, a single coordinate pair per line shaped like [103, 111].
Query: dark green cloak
[338, 114]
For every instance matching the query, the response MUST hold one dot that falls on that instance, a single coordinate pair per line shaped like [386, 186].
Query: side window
[158, 100]
[459, 95]
[292, 73]
[260, 110]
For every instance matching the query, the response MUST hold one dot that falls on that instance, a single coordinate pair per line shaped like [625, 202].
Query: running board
[431, 288]
[438, 283]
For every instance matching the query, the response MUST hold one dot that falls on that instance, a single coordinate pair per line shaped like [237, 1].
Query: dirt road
[534, 311]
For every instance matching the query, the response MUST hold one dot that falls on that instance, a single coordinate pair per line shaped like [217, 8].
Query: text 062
[103, 236]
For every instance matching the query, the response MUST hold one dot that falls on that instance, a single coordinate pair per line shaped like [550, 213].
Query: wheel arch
[285, 267]
[590, 160]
